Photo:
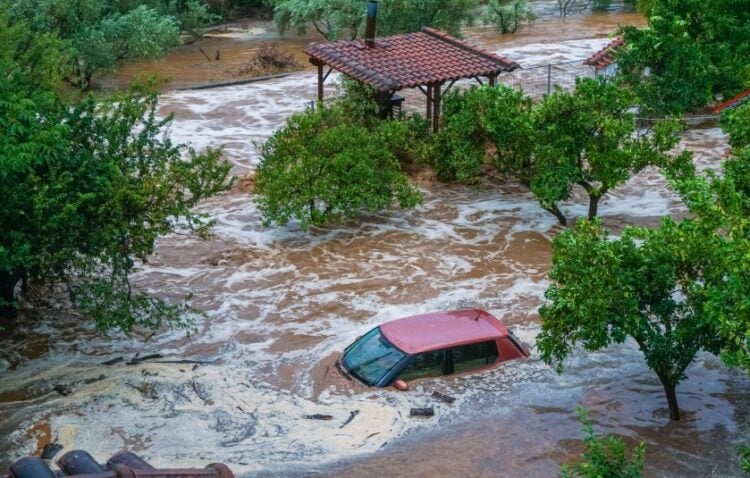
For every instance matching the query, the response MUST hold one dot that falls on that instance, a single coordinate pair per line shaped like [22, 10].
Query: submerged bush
[604, 456]
[322, 167]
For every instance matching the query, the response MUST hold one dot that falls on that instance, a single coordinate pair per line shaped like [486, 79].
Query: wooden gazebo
[426, 60]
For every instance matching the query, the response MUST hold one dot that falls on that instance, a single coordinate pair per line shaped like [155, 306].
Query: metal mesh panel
[541, 80]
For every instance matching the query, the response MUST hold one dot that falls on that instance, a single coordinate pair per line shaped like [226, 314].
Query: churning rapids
[283, 303]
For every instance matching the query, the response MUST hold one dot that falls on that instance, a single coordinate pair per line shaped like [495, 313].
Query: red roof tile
[734, 102]
[409, 60]
[604, 57]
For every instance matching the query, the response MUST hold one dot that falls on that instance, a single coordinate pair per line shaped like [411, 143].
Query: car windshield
[371, 357]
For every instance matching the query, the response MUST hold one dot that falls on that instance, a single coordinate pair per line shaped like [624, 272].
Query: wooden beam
[430, 95]
[436, 107]
[320, 82]
[493, 80]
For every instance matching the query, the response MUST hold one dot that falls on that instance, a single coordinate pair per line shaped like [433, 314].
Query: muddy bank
[235, 45]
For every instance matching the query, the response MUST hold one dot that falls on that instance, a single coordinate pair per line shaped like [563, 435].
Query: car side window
[471, 356]
[427, 364]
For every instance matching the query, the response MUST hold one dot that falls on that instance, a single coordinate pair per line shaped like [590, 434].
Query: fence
[535, 81]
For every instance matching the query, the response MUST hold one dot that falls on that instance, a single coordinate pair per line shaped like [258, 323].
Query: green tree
[476, 120]
[744, 454]
[89, 187]
[346, 18]
[589, 138]
[508, 15]
[691, 51]
[100, 34]
[604, 456]
[736, 123]
[321, 167]
[646, 285]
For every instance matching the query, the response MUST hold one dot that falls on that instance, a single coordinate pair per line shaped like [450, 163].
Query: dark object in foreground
[50, 450]
[422, 412]
[78, 463]
[319, 416]
[443, 397]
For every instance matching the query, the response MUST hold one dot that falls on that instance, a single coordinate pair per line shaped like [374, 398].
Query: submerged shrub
[321, 167]
[604, 456]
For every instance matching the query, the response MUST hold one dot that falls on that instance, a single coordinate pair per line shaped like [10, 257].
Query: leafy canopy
[691, 51]
[587, 138]
[334, 162]
[335, 19]
[675, 291]
[604, 456]
[89, 186]
[100, 34]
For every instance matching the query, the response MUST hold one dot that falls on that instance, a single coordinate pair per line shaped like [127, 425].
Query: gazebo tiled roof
[409, 60]
[604, 57]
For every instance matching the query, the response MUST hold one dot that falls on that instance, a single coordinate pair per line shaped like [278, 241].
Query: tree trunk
[558, 214]
[593, 206]
[8, 281]
[670, 390]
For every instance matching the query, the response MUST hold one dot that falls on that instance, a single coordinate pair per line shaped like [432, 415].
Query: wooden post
[429, 103]
[492, 80]
[320, 82]
[436, 107]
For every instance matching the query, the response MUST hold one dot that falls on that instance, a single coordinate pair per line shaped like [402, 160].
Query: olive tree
[101, 34]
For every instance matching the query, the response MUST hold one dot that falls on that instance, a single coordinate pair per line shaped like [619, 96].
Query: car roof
[439, 330]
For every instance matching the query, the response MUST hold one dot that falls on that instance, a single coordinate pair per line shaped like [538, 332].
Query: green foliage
[646, 285]
[508, 15]
[194, 17]
[458, 150]
[586, 138]
[675, 290]
[322, 167]
[335, 19]
[472, 118]
[89, 187]
[691, 51]
[721, 205]
[589, 138]
[736, 123]
[101, 34]
[744, 454]
[604, 456]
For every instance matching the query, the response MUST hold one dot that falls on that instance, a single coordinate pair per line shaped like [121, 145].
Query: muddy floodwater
[282, 304]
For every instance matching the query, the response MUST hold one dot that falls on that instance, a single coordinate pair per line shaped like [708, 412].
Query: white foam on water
[282, 303]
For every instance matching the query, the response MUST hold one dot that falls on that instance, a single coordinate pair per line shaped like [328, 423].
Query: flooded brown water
[283, 303]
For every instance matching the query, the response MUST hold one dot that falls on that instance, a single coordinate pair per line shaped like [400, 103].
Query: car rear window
[471, 356]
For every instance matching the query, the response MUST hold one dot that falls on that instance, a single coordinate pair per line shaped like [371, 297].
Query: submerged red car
[431, 345]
